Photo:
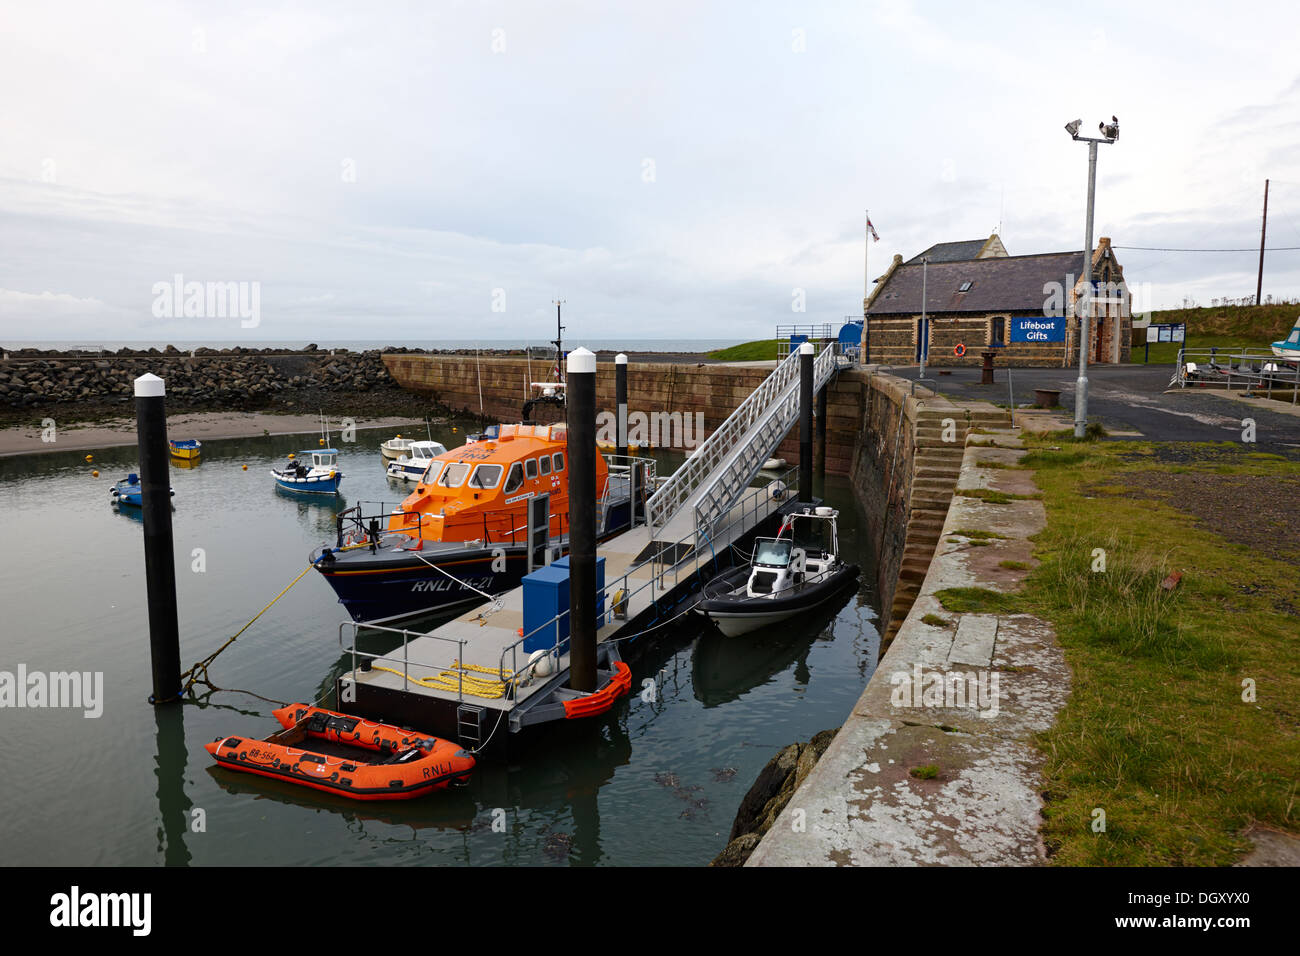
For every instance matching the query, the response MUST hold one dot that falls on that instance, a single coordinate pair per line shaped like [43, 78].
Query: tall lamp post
[1083, 306]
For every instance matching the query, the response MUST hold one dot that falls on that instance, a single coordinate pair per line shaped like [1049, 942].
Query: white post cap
[806, 349]
[581, 361]
[149, 385]
[620, 359]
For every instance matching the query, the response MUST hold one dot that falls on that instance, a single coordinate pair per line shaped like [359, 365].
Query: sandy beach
[26, 440]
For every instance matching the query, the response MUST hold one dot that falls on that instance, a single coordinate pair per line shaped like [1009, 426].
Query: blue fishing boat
[128, 491]
[1289, 348]
[321, 477]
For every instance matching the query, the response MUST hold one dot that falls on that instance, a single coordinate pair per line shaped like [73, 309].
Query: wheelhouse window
[559, 461]
[545, 464]
[486, 476]
[454, 476]
[515, 478]
[530, 468]
[431, 473]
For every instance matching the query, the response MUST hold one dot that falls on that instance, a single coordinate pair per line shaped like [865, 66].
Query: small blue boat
[322, 477]
[128, 491]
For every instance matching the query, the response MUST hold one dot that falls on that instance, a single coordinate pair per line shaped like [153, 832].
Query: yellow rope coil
[458, 677]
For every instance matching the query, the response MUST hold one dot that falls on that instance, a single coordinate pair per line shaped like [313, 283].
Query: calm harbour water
[648, 784]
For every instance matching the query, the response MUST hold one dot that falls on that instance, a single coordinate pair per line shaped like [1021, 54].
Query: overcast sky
[669, 169]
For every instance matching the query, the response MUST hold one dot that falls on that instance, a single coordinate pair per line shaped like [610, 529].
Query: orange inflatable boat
[346, 755]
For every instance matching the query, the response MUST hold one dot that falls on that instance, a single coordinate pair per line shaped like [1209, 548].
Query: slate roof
[950, 251]
[1005, 284]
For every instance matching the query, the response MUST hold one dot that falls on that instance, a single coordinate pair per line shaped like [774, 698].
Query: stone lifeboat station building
[978, 298]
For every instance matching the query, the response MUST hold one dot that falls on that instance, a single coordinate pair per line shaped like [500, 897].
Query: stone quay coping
[951, 777]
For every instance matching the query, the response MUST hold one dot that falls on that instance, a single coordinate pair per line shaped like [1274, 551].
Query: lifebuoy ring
[959, 350]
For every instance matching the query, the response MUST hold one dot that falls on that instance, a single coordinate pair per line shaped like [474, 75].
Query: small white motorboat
[395, 448]
[774, 464]
[781, 580]
[415, 462]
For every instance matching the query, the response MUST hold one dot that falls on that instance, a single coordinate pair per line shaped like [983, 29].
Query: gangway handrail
[776, 389]
[756, 495]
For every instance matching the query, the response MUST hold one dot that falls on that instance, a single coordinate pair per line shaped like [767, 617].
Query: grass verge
[1182, 720]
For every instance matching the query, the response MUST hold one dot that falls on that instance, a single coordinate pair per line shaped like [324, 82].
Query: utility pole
[1263, 229]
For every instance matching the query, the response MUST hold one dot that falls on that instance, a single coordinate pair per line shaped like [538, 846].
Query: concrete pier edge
[909, 779]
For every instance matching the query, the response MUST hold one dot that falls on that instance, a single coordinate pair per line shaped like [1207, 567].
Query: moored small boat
[186, 449]
[322, 477]
[129, 491]
[395, 448]
[355, 758]
[412, 465]
[781, 580]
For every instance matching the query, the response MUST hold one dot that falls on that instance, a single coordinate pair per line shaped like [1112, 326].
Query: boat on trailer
[1288, 349]
[782, 579]
[354, 758]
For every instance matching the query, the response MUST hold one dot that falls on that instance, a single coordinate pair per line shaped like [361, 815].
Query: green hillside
[765, 350]
[1224, 327]
[1260, 324]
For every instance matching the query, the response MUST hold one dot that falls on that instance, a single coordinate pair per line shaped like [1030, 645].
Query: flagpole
[866, 289]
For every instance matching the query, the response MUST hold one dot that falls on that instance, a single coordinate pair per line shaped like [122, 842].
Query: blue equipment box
[546, 596]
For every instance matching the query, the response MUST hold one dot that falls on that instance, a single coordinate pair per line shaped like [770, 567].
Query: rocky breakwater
[228, 378]
[769, 795]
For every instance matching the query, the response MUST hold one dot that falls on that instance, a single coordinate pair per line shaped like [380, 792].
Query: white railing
[1256, 369]
[753, 510]
[727, 462]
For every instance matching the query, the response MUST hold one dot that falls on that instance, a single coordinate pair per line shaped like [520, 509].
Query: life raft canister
[959, 349]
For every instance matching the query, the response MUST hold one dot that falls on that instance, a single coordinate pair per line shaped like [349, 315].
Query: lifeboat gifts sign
[1037, 328]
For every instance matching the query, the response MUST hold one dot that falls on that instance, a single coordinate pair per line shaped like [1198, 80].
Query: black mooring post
[620, 401]
[805, 422]
[581, 388]
[821, 416]
[159, 563]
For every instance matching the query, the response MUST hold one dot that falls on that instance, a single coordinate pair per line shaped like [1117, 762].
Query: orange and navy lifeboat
[354, 758]
[481, 491]
[462, 534]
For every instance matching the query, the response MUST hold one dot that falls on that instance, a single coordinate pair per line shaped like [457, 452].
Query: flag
[872, 230]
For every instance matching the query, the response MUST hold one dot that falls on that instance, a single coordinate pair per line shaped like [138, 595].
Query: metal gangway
[714, 478]
[1258, 370]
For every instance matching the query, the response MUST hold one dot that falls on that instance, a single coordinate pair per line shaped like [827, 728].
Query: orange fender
[603, 699]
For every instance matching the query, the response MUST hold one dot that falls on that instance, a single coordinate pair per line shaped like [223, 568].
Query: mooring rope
[482, 618]
[198, 673]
